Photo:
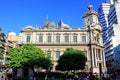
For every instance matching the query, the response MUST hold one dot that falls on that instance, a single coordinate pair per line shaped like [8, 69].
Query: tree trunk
[25, 71]
[14, 72]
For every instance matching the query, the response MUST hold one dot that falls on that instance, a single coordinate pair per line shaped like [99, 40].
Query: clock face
[88, 21]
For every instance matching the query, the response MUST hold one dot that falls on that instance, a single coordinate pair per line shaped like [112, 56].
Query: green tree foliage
[29, 56]
[72, 60]
[16, 57]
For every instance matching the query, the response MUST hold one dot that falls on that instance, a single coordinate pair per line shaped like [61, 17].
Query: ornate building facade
[54, 40]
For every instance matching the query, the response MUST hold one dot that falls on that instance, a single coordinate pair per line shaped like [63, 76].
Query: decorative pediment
[74, 33]
[40, 34]
[83, 33]
[57, 34]
[28, 28]
[48, 33]
[66, 34]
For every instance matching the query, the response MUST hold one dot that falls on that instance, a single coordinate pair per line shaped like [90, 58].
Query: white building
[112, 34]
[54, 40]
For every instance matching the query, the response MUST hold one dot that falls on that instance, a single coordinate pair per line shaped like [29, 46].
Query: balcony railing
[55, 43]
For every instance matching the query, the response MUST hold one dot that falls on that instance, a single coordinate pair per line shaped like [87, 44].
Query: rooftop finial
[46, 18]
[90, 8]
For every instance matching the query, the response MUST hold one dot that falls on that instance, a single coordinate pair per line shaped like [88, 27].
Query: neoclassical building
[55, 39]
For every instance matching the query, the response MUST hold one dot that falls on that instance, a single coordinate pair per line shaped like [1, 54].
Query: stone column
[92, 57]
[103, 59]
[95, 58]
[62, 38]
[96, 51]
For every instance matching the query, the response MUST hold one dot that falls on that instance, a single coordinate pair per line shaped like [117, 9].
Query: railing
[45, 43]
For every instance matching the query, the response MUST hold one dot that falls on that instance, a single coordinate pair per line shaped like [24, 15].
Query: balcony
[56, 43]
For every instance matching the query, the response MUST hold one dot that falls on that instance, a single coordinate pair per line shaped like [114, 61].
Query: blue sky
[17, 14]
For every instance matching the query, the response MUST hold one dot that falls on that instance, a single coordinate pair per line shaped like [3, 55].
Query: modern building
[11, 42]
[54, 40]
[103, 13]
[117, 59]
[2, 47]
[111, 1]
[112, 33]
[103, 19]
[12, 37]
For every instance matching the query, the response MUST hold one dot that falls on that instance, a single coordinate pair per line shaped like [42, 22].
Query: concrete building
[103, 13]
[12, 37]
[54, 40]
[2, 47]
[11, 42]
[112, 1]
[112, 34]
[103, 19]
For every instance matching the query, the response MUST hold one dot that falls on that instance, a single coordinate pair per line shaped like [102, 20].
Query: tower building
[109, 15]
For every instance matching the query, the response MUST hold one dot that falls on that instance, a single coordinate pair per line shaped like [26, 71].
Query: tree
[16, 59]
[35, 57]
[72, 60]
[29, 56]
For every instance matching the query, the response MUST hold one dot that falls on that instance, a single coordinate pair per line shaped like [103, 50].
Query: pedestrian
[2, 77]
[6, 78]
[80, 77]
[85, 77]
[46, 77]
[91, 77]
[33, 77]
[53, 78]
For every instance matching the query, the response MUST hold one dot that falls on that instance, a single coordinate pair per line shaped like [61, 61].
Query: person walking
[33, 77]
[85, 77]
[6, 78]
[53, 78]
[2, 78]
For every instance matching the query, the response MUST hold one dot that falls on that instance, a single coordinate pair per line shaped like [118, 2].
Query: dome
[90, 11]
[46, 24]
[51, 25]
[89, 7]
[61, 24]
[65, 26]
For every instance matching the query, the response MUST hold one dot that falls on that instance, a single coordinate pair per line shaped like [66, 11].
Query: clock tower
[94, 30]
[91, 17]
